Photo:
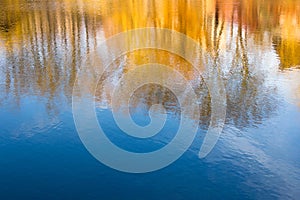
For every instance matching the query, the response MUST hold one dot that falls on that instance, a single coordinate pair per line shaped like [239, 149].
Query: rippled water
[254, 45]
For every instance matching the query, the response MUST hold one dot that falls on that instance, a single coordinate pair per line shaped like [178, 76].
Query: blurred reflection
[43, 44]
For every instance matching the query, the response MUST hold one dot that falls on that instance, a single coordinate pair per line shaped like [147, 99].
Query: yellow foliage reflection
[42, 44]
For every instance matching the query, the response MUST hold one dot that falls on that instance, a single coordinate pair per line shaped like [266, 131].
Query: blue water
[42, 157]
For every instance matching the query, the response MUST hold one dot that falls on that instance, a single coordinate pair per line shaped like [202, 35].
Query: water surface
[255, 46]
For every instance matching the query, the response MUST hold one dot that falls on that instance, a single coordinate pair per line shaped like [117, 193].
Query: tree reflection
[44, 43]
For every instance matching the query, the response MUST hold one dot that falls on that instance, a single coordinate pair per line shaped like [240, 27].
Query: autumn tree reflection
[44, 43]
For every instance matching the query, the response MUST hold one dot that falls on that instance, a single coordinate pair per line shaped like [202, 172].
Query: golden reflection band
[39, 38]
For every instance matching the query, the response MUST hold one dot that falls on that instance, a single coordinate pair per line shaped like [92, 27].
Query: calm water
[255, 45]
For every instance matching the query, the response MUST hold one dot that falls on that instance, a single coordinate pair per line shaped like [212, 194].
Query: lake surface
[254, 47]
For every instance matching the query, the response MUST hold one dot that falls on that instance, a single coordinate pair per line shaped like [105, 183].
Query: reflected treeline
[43, 44]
